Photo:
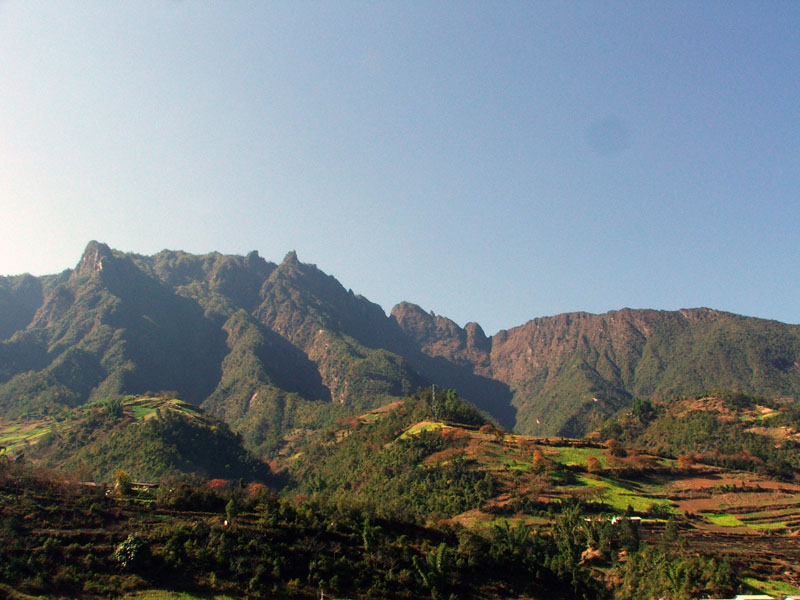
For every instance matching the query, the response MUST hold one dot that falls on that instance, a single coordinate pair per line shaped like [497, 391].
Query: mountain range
[273, 349]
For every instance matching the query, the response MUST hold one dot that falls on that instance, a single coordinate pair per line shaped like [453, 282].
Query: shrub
[132, 552]
[593, 464]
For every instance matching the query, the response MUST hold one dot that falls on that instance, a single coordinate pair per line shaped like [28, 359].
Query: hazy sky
[492, 162]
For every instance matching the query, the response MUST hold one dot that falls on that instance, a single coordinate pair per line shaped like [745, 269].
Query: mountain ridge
[271, 347]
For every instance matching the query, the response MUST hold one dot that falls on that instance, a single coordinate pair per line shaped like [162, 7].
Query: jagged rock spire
[93, 257]
[291, 259]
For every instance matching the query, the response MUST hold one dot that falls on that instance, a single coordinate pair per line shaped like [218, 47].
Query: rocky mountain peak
[291, 259]
[93, 258]
[476, 338]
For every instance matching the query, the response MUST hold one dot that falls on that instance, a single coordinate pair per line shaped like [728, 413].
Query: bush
[593, 464]
[132, 552]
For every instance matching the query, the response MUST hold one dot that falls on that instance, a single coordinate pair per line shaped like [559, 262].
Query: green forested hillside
[66, 540]
[268, 348]
[147, 438]
[371, 464]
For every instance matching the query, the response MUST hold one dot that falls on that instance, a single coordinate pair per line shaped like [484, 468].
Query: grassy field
[517, 465]
[723, 519]
[16, 434]
[142, 408]
[572, 456]
[777, 589]
[141, 411]
[423, 426]
[619, 495]
[772, 526]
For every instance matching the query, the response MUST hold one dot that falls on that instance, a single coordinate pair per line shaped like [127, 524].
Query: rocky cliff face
[92, 260]
[440, 337]
[271, 346]
[568, 372]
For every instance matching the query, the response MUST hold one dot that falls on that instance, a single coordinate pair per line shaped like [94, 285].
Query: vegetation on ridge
[273, 348]
[147, 437]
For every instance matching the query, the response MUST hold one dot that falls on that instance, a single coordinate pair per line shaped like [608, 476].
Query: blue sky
[492, 162]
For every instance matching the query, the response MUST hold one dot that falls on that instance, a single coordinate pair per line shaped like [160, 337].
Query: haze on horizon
[489, 162]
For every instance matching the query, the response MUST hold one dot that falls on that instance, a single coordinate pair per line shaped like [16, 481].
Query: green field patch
[572, 456]
[723, 520]
[777, 589]
[620, 496]
[517, 465]
[143, 408]
[17, 434]
[763, 416]
[424, 426]
[140, 411]
[512, 522]
[184, 407]
[772, 525]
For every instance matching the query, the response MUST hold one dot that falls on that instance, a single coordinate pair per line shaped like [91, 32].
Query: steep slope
[266, 384]
[266, 347]
[20, 297]
[106, 328]
[455, 358]
[568, 371]
[345, 335]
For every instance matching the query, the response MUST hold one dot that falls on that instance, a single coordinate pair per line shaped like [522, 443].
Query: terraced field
[739, 500]
[14, 435]
[714, 499]
[147, 407]
[776, 558]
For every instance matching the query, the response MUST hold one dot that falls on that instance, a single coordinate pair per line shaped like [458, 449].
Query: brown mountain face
[271, 347]
[567, 372]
